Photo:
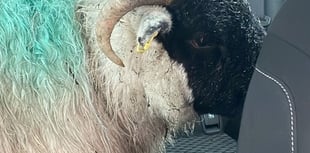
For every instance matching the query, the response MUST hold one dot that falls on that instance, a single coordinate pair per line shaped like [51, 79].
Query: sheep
[60, 90]
[214, 43]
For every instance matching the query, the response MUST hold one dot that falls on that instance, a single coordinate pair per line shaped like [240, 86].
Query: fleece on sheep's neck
[148, 100]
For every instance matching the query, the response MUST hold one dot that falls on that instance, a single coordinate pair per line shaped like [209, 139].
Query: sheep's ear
[154, 21]
[110, 14]
[143, 46]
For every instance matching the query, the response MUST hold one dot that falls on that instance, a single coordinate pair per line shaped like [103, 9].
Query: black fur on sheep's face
[217, 42]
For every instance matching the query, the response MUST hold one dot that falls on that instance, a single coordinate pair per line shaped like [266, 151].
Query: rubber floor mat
[218, 143]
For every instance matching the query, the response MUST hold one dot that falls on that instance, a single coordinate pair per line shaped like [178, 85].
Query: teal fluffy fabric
[40, 45]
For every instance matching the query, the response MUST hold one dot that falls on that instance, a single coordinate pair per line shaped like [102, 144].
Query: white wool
[152, 90]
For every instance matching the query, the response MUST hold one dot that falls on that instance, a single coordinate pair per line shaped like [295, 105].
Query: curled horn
[110, 14]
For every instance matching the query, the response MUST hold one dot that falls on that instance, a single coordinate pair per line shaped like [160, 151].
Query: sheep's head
[215, 41]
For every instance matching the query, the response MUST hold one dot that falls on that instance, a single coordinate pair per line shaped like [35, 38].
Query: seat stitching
[290, 103]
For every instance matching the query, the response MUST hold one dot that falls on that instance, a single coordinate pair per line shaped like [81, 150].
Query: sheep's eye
[201, 41]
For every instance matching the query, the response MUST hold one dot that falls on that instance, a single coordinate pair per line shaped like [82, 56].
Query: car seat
[276, 115]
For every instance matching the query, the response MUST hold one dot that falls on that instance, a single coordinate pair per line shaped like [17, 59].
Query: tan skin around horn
[110, 14]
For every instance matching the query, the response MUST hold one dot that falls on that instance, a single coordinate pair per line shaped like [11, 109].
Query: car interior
[274, 118]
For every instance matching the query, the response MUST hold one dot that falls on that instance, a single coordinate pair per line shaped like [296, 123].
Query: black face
[217, 42]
